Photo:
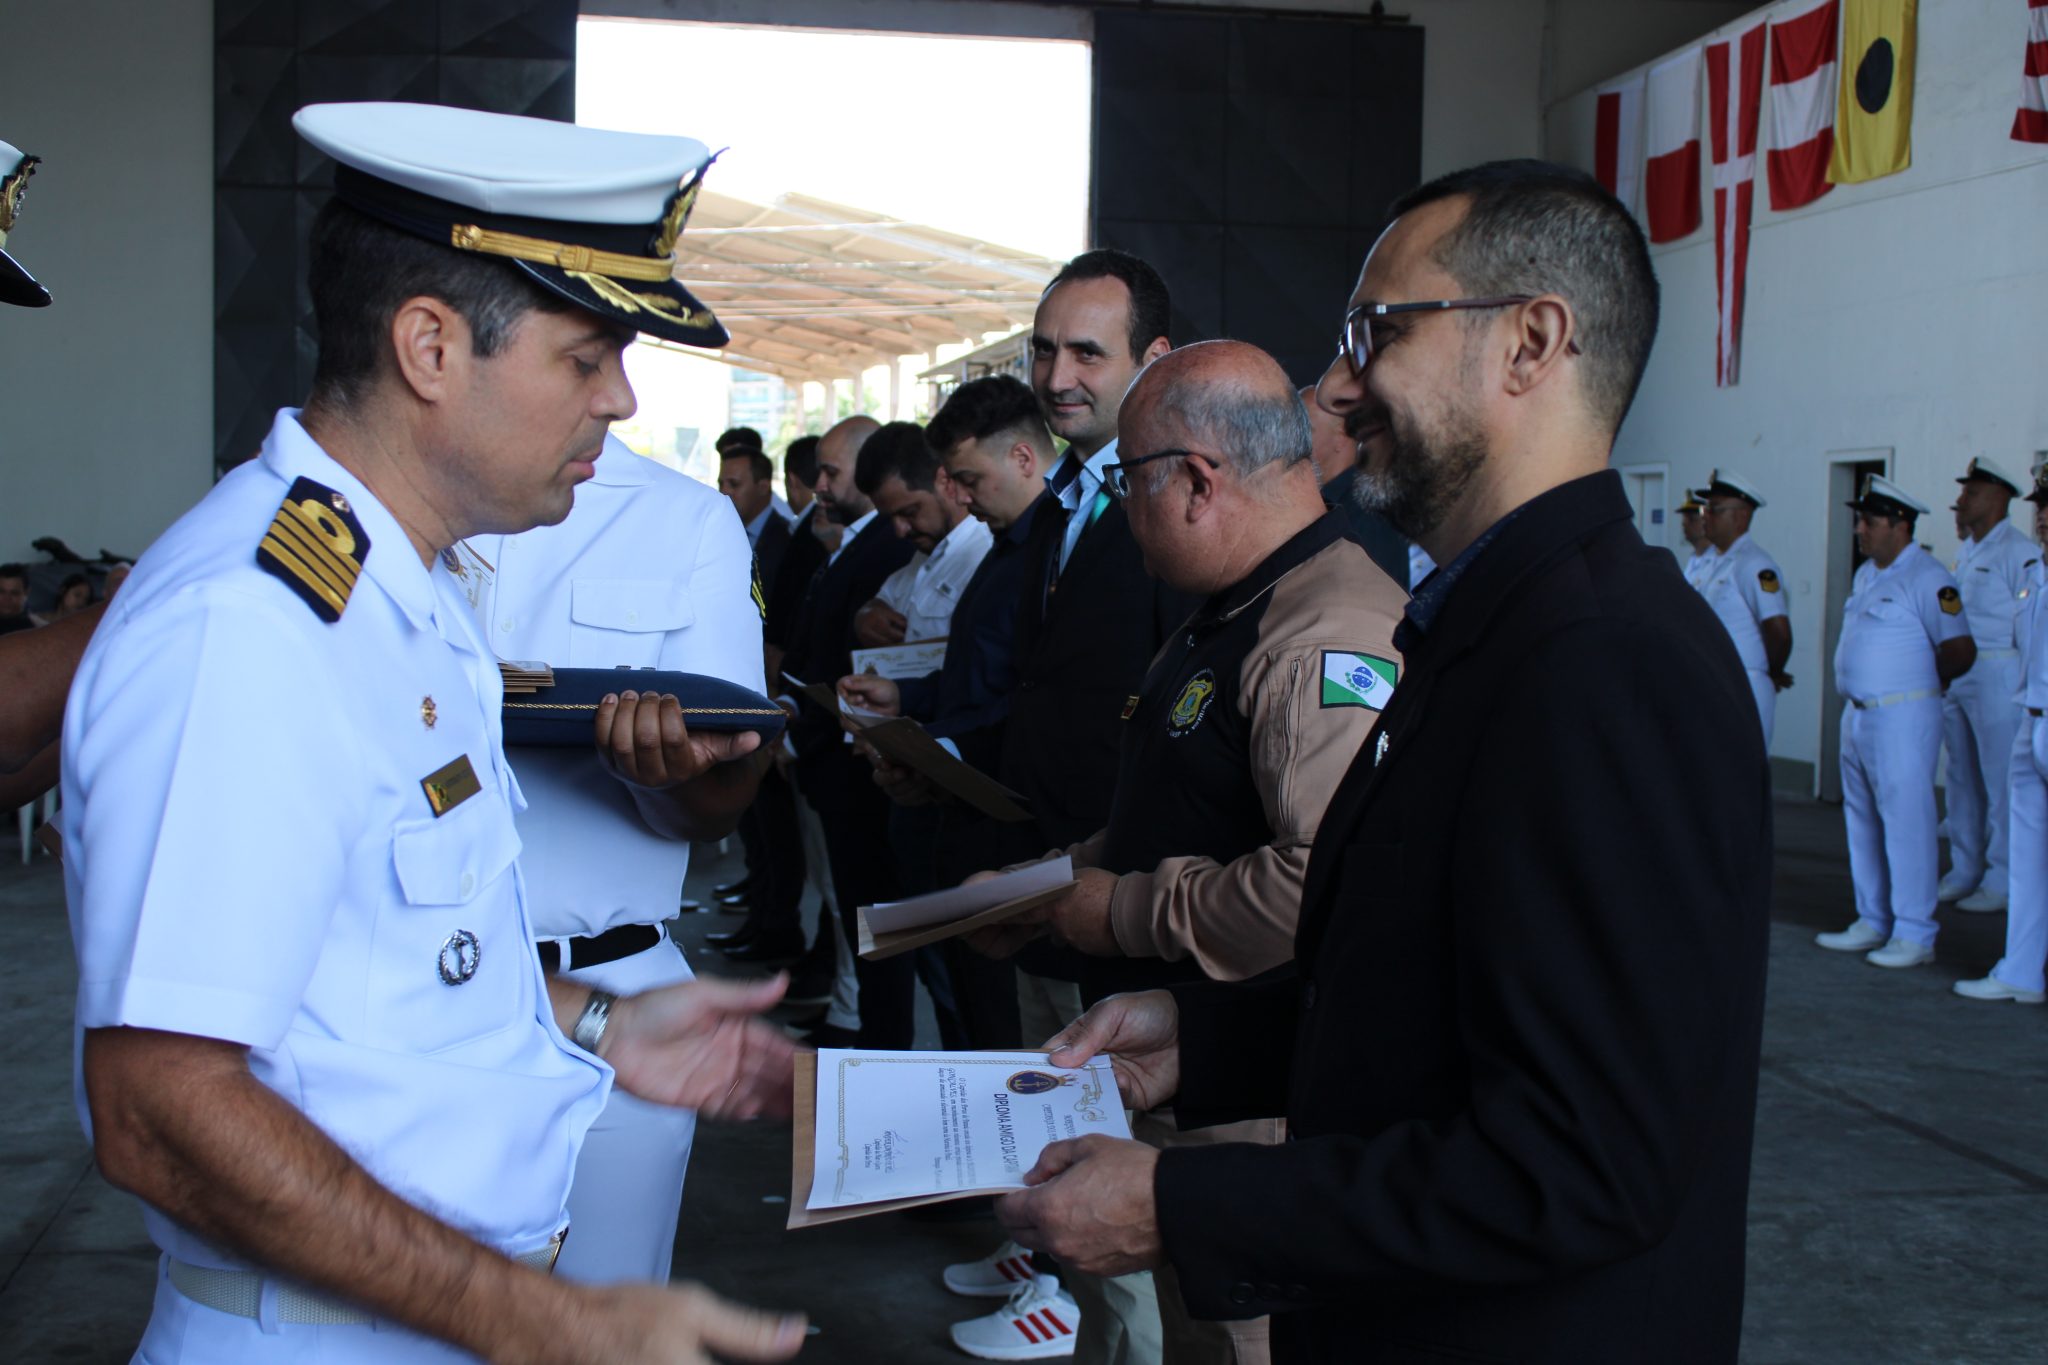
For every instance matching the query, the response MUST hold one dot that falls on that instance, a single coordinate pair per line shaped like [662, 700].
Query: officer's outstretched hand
[682, 1324]
[1141, 1034]
[703, 1045]
[642, 739]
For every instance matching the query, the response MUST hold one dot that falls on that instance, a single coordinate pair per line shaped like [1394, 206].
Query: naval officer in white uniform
[650, 570]
[1904, 639]
[1699, 551]
[1741, 583]
[2018, 975]
[1978, 714]
[314, 1038]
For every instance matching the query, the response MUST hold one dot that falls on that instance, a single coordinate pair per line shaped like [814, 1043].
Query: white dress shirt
[926, 590]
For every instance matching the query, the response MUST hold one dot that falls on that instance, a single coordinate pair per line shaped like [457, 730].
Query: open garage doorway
[884, 204]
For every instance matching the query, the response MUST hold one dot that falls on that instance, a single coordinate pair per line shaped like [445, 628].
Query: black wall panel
[1250, 160]
[272, 56]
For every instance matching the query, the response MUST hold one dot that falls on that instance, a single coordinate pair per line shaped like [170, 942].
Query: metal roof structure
[813, 290]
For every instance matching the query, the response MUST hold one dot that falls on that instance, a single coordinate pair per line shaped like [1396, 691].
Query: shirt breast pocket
[619, 622]
[451, 963]
[934, 601]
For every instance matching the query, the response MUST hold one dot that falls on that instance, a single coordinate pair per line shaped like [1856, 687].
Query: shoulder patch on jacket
[1358, 680]
[316, 546]
[1767, 579]
[1951, 600]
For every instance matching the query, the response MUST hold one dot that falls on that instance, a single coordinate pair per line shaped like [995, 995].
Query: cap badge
[11, 190]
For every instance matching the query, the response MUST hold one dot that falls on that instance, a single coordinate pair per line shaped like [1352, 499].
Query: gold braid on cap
[566, 255]
[11, 190]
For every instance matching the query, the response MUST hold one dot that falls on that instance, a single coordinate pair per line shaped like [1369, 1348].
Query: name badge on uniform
[449, 787]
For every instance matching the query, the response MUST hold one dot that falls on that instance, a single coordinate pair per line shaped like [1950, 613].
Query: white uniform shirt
[1991, 574]
[650, 570]
[1742, 585]
[2030, 634]
[1894, 620]
[250, 855]
[926, 589]
[1696, 567]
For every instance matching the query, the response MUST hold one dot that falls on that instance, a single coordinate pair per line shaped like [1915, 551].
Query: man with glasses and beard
[1517, 1046]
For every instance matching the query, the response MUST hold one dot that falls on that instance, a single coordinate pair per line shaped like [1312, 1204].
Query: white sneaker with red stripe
[1038, 1323]
[994, 1276]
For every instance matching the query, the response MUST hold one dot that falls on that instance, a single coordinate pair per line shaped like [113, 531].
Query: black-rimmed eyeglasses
[1354, 342]
[1116, 477]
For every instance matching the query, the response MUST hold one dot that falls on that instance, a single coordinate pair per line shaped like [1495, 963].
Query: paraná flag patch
[1358, 680]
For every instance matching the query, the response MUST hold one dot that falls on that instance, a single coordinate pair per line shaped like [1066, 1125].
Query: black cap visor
[19, 287]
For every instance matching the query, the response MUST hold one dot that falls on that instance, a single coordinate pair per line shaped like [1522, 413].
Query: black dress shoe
[735, 898]
[731, 938]
[731, 888]
[766, 950]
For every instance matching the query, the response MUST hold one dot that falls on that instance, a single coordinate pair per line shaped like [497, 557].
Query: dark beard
[1421, 483]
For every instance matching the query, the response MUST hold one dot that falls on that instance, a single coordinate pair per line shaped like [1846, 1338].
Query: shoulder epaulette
[316, 545]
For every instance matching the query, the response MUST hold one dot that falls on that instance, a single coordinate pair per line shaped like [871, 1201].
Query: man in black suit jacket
[1517, 1048]
[839, 784]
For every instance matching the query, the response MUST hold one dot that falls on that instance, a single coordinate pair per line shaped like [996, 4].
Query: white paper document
[918, 659]
[961, 901]
[899, 1125]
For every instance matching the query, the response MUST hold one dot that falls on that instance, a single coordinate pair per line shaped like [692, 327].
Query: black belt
[598, 949]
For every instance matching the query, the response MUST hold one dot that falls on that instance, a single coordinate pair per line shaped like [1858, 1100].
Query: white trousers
[180, 1332]
[1888, 759]
[2026, 916]
[1978, 721]
[628, 1189]
[1766, 694]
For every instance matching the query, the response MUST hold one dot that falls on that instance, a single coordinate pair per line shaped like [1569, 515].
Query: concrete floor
[1898, 1213]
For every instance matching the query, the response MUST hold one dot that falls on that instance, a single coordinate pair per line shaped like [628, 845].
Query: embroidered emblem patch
[1951, 601]
[1358, 680]
[1767, 580]
[316, 546]
[1192, 703]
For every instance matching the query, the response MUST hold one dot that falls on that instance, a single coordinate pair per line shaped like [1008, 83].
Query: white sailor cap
[590, 214]
[1881, 497]
[1726, 483]
[16, 284]
[1988, 471]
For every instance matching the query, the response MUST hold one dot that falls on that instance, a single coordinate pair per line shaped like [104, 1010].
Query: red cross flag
[1802, 106]
[1735, 89]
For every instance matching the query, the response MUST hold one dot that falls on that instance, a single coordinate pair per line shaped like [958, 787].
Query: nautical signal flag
[1735, 89]
[1874, 111]
[2030, 124]
[1671, 137]
[1802, 105]
[1618, 139]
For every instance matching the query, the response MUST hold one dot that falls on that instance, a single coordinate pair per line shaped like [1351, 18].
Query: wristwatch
[597, 1012]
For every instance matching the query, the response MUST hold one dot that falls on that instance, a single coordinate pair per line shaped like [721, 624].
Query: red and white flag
[1618, 140]
[1671, 137]
[2030, 124]
[1735, 92]
[1802, 105]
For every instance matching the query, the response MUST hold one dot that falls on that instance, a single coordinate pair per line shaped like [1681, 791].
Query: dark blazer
[1082, 651]
[1526, 1006]
[770, 550]
[800, 562]
[821, 651]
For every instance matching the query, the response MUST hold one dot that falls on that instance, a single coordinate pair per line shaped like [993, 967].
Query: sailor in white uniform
[314, 1037]
[650, 570]
[1741, 583]
[1978, 715]
[1699, 551]
[1904, 639]
[2018, 975]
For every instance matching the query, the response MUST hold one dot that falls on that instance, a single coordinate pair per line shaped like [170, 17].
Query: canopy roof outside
[813, 290]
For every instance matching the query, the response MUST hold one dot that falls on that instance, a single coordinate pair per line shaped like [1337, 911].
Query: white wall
[107, 395]
[1909, 312]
